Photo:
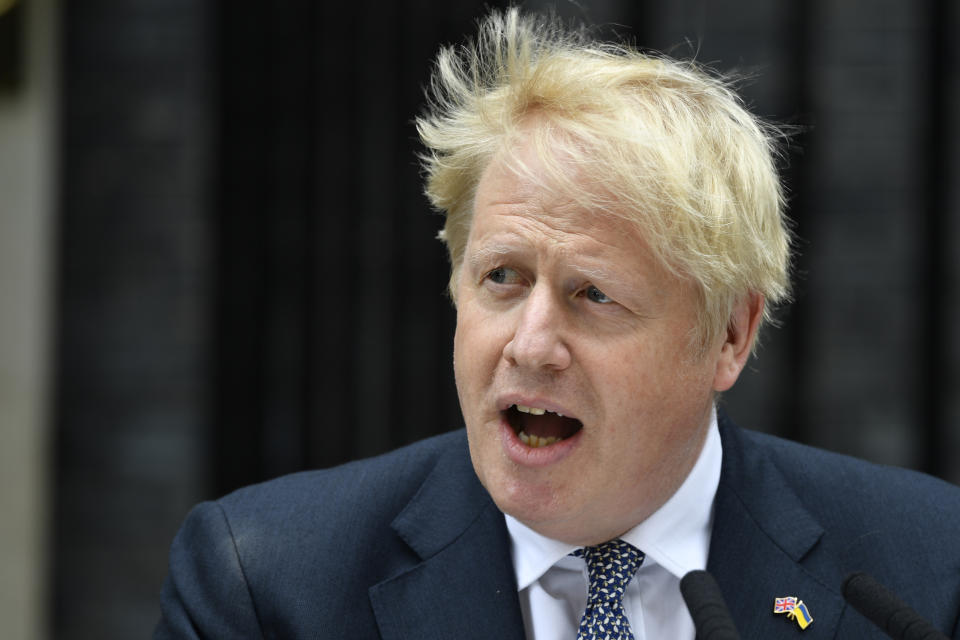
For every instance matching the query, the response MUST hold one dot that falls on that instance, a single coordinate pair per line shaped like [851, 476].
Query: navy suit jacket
[410, 545]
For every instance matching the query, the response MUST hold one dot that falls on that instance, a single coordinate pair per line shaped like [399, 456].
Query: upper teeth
[536, 411]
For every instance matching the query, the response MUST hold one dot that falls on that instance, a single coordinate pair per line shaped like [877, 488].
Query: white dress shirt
[676, 539]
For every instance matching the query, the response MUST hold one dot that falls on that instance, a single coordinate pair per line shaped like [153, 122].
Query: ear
[744, 322]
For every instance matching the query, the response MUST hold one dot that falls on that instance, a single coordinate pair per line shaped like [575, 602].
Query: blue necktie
[610, 566]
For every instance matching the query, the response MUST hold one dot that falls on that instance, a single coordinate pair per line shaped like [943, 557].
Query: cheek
[651, 390]
[476, 351]
[633, 374]
[461, 362]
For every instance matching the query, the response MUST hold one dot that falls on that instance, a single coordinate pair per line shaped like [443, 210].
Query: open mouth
[538, 427]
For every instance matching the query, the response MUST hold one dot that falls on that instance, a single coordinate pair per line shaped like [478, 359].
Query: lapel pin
[795, 610]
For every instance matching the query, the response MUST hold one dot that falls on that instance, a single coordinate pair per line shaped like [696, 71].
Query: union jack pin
[784, 605]
[795, 610]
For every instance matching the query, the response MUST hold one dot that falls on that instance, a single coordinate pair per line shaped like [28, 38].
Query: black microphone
[883, 608]
[707, 607]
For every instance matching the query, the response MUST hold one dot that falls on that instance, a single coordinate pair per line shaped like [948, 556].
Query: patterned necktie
[610, 566]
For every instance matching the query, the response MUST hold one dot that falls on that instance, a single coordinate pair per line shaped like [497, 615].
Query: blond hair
[660, 142]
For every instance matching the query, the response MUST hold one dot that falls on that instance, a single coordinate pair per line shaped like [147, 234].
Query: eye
[595, 295]
[503, 275]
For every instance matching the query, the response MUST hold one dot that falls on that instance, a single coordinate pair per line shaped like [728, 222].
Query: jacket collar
[464, 584]
[763, 544]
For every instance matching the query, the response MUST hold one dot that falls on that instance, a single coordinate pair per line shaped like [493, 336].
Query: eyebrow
[599, 274]
[490, 253]
[495, 251]
[624, 289]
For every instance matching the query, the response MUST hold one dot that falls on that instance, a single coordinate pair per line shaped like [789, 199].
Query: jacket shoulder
[240, 565]
[896, 524]
[840, 488]
[373, 488]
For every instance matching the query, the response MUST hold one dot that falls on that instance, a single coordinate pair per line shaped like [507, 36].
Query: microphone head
[881, 607]
[707, 607]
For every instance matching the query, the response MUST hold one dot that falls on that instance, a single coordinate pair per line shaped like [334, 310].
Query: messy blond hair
[659, 142]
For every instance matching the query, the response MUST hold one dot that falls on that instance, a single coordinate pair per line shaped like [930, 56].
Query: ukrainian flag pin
[801, 614]
[795, 610]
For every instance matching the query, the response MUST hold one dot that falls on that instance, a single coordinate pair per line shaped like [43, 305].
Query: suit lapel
[762, 539]
[464, 585]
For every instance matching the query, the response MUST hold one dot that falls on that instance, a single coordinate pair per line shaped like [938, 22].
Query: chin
[540, 498]
[540, 506]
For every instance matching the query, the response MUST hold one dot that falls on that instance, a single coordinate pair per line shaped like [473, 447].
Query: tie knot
[610, 565]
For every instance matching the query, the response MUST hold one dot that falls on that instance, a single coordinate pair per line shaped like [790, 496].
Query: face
[584, 401]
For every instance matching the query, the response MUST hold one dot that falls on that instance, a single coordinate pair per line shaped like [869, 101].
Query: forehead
[522, 193]
[518, 223]
[527, 171]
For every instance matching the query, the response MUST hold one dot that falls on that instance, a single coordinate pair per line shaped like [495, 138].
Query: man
[616, 236]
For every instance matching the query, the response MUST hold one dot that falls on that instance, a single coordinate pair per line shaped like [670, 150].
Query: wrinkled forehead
[522, 199]
[521, 196]
[541, 164]
[594, 181]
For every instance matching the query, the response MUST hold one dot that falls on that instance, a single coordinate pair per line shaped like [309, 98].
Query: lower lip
[527, 456]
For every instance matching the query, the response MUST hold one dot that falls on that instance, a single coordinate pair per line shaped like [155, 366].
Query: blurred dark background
[247, 284]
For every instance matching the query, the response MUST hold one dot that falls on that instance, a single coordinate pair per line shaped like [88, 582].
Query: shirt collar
[676, 536]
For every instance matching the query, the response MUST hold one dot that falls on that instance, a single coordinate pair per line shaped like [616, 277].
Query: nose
[537, 341]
